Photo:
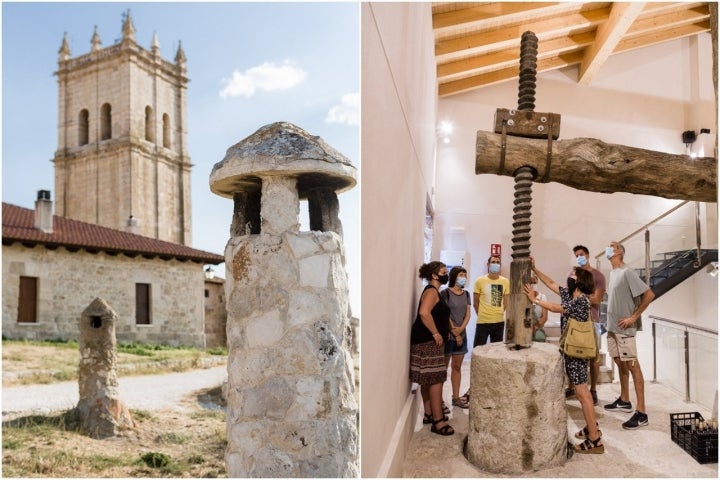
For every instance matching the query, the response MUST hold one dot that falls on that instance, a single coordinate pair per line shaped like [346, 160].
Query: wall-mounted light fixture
[712, 269]
[209, 273]
[689, 137]
[444, 130]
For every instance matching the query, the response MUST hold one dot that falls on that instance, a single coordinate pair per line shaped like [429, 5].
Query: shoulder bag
[578, 339]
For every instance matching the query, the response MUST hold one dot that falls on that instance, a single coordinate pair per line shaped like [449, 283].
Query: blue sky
[249, 64]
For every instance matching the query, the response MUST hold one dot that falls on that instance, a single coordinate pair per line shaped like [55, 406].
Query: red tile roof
[18, 224]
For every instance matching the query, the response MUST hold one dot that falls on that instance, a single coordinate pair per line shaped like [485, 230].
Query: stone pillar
[101, 411]
[291, 407]
[518, 420]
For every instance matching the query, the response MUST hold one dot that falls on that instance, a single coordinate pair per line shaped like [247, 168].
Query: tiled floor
[646, 452]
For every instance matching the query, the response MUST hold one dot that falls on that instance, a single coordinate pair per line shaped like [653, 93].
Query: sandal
[590, 446]
[428, 418]
[459, 402]
[584, 432]
[466, 398]
[445, 409]
[445, 431]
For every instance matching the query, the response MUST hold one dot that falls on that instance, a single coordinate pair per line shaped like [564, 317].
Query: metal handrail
[685, 325]
[644, 227]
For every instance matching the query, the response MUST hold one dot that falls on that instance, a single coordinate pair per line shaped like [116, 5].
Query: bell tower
[122, 159]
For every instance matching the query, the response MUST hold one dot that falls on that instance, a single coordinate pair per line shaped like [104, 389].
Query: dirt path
[147, 392]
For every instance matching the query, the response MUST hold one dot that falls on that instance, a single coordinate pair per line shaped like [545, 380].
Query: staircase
[672, 268]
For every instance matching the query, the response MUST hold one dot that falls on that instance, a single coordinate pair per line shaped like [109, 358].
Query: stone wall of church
[69, 281]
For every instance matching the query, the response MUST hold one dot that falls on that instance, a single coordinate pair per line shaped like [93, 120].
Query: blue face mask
[609, 252]
[461, 282]
[494, 268]
[582, 261]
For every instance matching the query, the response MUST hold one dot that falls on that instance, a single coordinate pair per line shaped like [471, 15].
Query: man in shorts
[622, 320]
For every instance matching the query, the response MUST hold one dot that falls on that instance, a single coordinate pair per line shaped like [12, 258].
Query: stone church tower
[122, 159]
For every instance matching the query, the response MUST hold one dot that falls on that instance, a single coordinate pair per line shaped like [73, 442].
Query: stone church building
[122, 224]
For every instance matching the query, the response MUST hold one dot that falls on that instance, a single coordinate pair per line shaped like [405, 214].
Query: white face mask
[582, 261]
[494, 268]
[609, 252]
[461, 281]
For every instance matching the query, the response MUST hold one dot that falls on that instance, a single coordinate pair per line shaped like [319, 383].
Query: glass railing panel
[695, 379]
[703, 348]
[670, 357]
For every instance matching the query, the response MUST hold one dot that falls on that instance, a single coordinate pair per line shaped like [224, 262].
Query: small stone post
[291, 410]
[101, 411]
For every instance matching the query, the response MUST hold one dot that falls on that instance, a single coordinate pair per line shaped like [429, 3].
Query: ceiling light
[446, 128]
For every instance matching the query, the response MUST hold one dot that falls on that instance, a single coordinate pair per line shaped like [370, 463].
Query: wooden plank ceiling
[478, 44]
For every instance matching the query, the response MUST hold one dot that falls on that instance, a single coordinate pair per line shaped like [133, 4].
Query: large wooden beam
[609, 34]
[592, 165]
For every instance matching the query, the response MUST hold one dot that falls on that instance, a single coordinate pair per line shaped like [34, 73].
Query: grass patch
[53, 446]
[172, 437]
[141, 415]
[28, 362]
[155, 459]
[43, 378]
[208, 414]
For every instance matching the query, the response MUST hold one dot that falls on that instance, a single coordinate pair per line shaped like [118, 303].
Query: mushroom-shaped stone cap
[282, 149]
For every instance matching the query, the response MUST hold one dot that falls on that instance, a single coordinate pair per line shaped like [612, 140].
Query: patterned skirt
[427, 363]
[576, 370]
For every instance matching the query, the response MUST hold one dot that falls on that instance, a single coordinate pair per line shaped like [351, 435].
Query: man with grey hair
[623, 316]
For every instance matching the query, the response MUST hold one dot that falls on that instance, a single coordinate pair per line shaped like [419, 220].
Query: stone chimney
[291, 407]
[44, 212]
[132, 225]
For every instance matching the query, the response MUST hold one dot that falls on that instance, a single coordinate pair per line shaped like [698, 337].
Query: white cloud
[348, 112]
[267, 76]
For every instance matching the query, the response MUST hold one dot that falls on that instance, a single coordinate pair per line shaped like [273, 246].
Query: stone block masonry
[291, 406]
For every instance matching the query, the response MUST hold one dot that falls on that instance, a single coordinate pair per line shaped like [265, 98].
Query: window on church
[166, 130]
[84, 127]
[105, 122]
[27, 303]
[149, 130]
[142, 303]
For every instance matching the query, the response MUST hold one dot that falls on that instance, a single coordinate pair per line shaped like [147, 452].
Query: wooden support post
[519, 320]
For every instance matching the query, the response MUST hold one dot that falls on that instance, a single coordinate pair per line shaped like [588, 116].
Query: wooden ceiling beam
[653, 9]
[669, 20]
[505, 58]
[510, 36]
[497, 76]
[609, 34]
[494, 15]
[660, 36]
[477, 44]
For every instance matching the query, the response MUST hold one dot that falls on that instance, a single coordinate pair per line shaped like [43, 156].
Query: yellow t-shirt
[490, 302]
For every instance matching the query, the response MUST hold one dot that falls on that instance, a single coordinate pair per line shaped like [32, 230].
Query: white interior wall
[641, 99]
[398, 144]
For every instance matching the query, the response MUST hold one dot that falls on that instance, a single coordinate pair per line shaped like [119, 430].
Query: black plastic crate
[703, 447]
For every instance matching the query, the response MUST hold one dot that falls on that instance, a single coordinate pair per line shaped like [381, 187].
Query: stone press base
[518, 419]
